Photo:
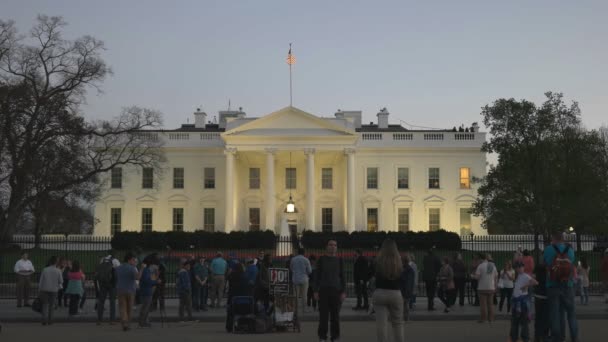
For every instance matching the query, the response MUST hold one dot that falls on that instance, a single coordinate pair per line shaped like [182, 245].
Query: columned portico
[350, 189]
[229, 217]
[310, 188]
[270, 199]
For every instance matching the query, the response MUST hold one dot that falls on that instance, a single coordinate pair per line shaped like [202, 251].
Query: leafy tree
[49, 153]
[551, 173]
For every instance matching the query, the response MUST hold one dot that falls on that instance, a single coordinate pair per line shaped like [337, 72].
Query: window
[372, 178]
[209, 178]
[290, 178]
[254, 178]
[433, 178]
[209, 219]
[148, 178]
[117, 178]
[465, 178]
[434, 219]
[115, 220]
[372, 219]
[465, 221]
[254, 219]
[178, 219]
[403, 178]
[146, 219]
[403, 219]
[327, 220]
[178, 178]
[327, 178]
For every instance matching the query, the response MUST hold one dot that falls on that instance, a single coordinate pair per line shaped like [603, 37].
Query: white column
[310, 188]
[229, 208]
[350, 189]
[270, 193]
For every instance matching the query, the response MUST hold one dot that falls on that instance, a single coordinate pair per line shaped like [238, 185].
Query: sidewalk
[596, 309]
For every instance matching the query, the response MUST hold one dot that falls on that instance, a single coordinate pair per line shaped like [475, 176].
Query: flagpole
[290, 88]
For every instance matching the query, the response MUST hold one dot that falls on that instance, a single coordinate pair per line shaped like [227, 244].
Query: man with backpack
[329, 286]
[105, 282]
[559, 258]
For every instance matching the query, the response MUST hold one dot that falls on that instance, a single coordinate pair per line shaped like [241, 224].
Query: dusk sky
[431, 63]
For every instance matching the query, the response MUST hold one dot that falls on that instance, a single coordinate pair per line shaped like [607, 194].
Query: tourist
[520, 316]
[311, 302]
[301, 270]
[460, 277]
[505, 285]
[541, 309]
[251, 273]
[583, 278]
[329, 286]
[431, 266]
[486, 276]
[75, 289]
[604, 271]
[66, 280]
[147, 281]
[408, 281]
[105, 283]
[447, 289]
[528, 262]
[200, 289]
[361, 277]
[219, 269]
[414, 267]
[183, 285]
[239, 286]
[61, 265]
[559, 258]
[126, 284]
[387, 298]
[51, 280]
[474, 282]
[262, 283]
[24, 270]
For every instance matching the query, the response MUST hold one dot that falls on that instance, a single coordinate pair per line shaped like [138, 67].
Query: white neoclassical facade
[239, 174]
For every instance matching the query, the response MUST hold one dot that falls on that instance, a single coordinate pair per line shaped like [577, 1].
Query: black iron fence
[89, 250]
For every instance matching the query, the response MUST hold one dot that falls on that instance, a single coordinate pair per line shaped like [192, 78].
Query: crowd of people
[543, 293]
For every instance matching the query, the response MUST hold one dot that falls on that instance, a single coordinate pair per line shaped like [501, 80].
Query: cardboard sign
[279, 280]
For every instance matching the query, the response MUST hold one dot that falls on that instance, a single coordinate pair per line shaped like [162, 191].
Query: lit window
[434, 178]
[372, 178]
[254, 219]
[465, 178]
[465, 221]
[434, 219]
[178, 219]
[372, 219]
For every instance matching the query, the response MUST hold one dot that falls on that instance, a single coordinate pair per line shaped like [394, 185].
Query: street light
[571, 230]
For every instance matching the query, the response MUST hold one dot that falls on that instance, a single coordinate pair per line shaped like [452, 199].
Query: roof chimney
[339, 114]
[475, 127]
[383, 118]
[200, 118]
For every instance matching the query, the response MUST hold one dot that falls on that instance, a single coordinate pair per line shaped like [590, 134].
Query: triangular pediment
[434, 198]
[290, 121]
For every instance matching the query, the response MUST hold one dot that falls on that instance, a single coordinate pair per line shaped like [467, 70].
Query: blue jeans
[200, 293]
[584, 295]
[561, 302]
[520, 324]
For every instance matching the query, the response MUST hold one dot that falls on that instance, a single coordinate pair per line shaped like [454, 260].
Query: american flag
[291, 59]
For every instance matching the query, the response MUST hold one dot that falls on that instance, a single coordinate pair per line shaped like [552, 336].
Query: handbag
[37, 305]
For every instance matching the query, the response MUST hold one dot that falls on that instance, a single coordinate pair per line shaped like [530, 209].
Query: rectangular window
[327, 220]
[372, 219]
[465, 221]
[178, 219]
[146, 219]
[117, 178]
[209, 219]
[254, 219]
[148, 178]
[403, 217]
[372, 178]
[178, 178]
[290, 178]
[115, 220]
[434, 219]
[403, 178]
[254, 178]
[465, 178]
[433, 178]
[209, 178]
[327, 174]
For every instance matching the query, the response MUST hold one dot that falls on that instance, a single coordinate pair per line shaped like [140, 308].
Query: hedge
[371, 240]
[160, 241]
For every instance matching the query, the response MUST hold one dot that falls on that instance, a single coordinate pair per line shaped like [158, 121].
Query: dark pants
[199, 296]
[83, 299]
[60, 297]
[460, 285]
[74, 299]
[474, 283]
[361, 290]
[447, 296]
[329, 310]
[23, 289]
[144, 310]
[505, 293]
[561, 302]
[110, 293]
[47, 299]
[520, 324]
[310, 300]
[158, 297]
[431, 288]
[541, 320]
[185, 304]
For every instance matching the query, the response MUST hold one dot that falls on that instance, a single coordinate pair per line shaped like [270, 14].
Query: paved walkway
[596, 309]
[591, 331]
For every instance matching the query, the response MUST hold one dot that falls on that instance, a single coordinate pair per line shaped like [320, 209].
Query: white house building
[341, 174]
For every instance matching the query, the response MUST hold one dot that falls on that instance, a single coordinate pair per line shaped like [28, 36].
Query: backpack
[103, 274]
[37, 305]
[561, 268]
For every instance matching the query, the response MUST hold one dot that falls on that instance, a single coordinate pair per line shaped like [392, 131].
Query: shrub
[369, 240]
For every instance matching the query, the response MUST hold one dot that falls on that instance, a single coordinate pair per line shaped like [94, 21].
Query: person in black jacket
[361, 274]
[431, 266]
[407, 286]
[460, 276]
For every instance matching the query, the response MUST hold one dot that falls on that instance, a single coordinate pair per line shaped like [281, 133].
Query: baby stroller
[243, 314]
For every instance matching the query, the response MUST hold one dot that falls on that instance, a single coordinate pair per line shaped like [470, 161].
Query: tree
[551, 173]
[48, 152]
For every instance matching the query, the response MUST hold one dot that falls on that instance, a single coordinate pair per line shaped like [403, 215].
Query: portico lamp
[291, 206]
